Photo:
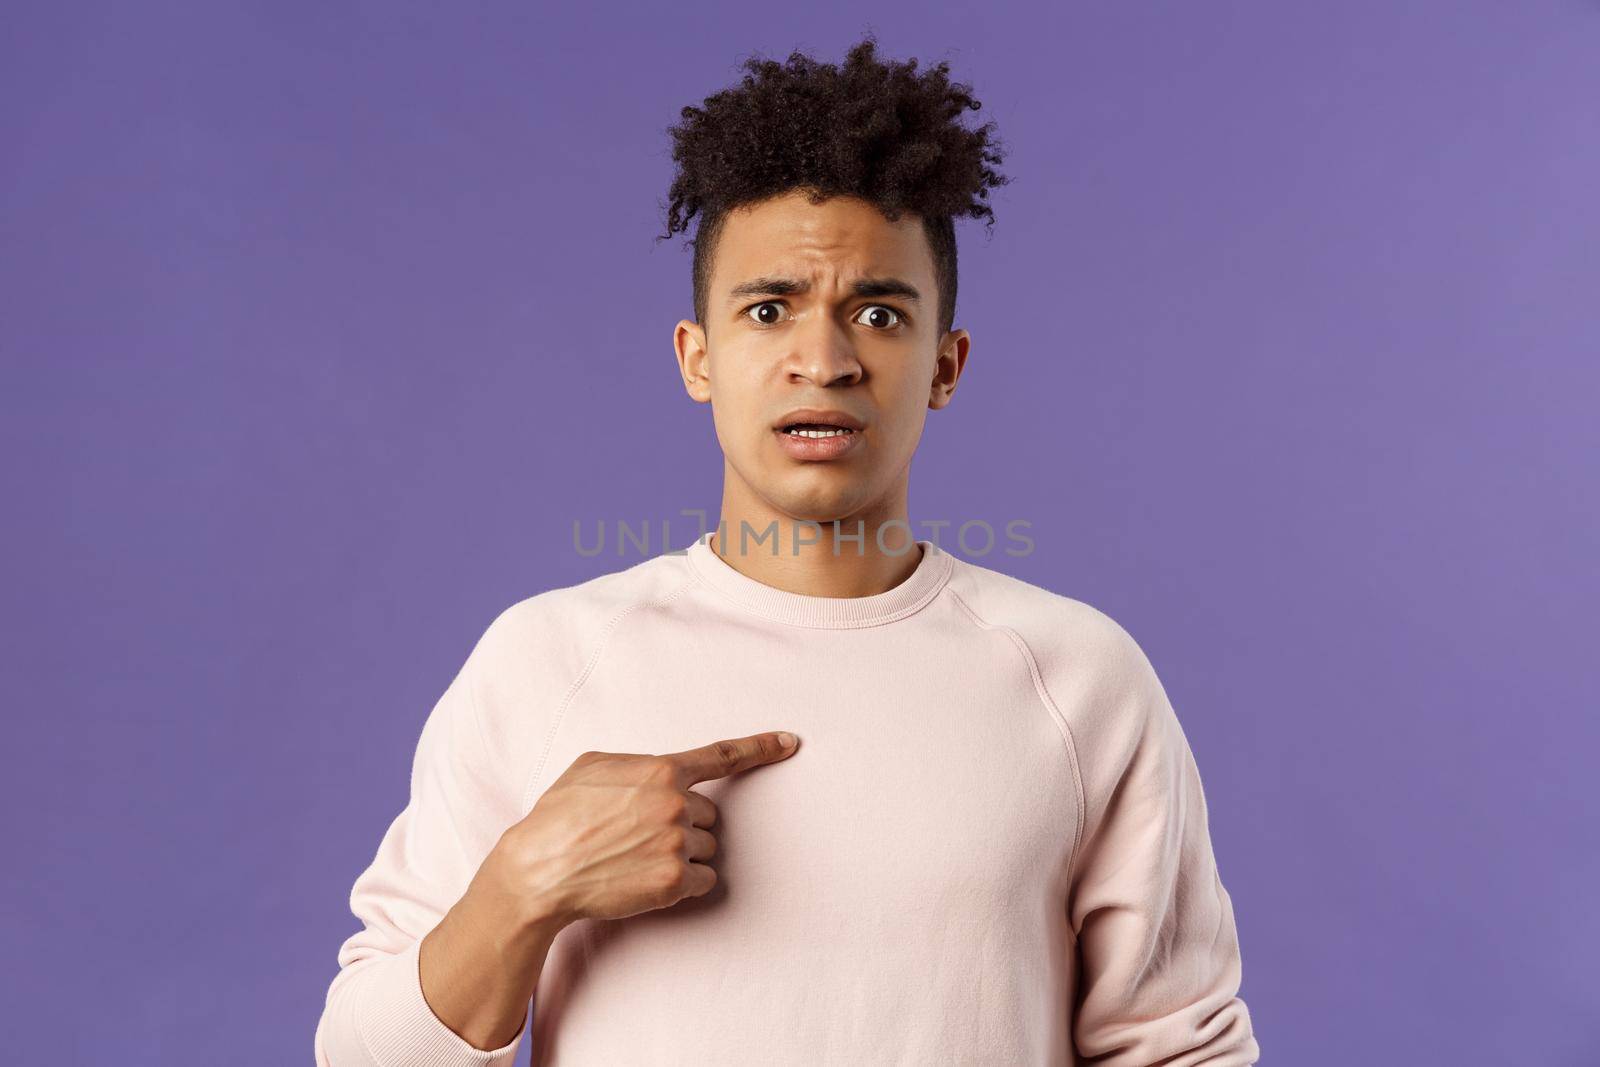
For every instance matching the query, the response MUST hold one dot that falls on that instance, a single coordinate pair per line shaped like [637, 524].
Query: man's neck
[846, 559]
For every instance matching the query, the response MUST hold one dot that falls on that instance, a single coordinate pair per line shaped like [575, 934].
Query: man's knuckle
[660, 770]
[670, 876]
[673, 805]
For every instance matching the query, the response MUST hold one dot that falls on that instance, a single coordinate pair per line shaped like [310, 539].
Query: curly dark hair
[871, 129]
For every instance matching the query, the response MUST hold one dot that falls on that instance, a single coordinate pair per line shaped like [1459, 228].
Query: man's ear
[694, 359]
[947, 367]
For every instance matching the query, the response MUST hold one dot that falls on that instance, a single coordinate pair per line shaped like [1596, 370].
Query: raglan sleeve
[1157, 950]
[460, 802]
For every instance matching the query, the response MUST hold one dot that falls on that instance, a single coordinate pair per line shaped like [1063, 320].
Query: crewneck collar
[798, 609]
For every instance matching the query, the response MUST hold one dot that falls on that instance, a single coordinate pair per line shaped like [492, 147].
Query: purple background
[322, 323]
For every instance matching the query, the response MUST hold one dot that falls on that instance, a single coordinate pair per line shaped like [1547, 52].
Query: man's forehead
[842, 222]
[844, 244]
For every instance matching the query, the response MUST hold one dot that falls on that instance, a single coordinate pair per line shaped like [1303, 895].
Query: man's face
[790, 325]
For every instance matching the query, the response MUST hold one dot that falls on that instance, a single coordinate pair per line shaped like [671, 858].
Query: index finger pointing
[722, 758]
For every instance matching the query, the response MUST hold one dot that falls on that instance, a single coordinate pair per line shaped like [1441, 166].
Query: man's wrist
[524, 923]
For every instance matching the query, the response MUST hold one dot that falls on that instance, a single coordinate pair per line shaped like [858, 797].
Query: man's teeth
[832, 432]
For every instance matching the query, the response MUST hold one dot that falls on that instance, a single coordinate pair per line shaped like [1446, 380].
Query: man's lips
[819, 417]
[818, 445]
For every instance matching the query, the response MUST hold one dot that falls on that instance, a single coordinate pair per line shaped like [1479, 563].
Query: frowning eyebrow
[771, 286]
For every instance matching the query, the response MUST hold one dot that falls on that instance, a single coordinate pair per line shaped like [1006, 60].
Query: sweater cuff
[399, 1027]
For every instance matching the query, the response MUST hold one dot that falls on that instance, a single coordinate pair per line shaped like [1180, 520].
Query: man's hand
[615, 835]
[618, 834]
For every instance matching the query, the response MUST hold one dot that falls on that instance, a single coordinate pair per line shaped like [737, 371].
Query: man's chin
[822, 512]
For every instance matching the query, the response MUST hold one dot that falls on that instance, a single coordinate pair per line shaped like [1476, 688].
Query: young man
[991, 844]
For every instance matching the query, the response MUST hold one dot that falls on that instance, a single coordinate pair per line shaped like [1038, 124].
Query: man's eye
[882, 313]
[764, 319]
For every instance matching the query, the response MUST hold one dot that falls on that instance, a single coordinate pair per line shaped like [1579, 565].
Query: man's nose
[824, 353]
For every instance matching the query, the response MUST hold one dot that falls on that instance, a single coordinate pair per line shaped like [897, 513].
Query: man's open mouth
[814, 429]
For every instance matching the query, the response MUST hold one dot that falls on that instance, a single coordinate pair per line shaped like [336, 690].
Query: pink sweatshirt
[990, 847]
